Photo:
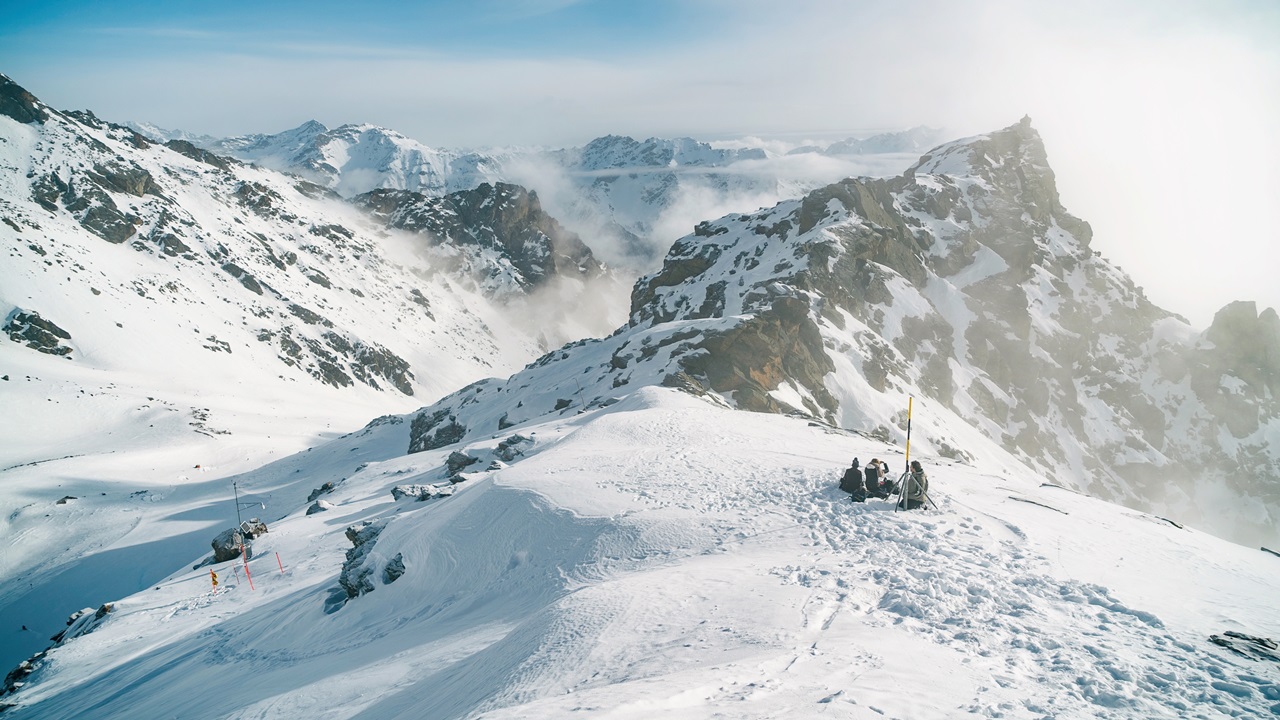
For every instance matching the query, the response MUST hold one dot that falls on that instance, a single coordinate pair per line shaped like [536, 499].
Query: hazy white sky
[1160, 118]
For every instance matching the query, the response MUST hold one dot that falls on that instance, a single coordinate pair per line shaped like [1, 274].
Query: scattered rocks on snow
[319, 506]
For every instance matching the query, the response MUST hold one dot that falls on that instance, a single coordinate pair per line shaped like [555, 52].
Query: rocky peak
[532, 248]
[17, 103]
[1247, 343]
[1012, 162]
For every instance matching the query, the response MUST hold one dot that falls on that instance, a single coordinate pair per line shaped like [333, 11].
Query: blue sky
[1138, 101]
[503, 27]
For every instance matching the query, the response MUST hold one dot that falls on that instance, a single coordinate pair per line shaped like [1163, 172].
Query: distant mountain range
[632, 197]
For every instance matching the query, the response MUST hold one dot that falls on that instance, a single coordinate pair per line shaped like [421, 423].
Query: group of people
[874, 481]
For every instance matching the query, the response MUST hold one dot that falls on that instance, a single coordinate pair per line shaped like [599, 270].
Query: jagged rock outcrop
[26, 327]
[505, 241]
[364, 565]
[17, 103]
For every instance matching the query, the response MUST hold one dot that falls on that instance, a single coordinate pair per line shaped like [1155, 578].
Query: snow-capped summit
[357, 158]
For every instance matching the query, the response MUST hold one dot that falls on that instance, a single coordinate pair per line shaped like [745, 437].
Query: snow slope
[217, 315]
[666, 556]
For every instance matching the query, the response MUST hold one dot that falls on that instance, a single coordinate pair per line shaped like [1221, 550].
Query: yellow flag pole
[909, 403]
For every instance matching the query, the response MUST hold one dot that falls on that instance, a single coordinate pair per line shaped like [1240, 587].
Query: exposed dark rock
[262, 200]
[458, 461]
[121, 178]
[17, 103]
[358, 573]
[324, 489]
[420, 492]
[755, 356]
[512, 447]
[309, 317]
[17, 677]
[393, 570]
[26, 327]
[319, 506]
[503, 218]
[429, 432]
[246, 279]
[200, 155]
[372, 360]
[83, 622]
[92, 207]
[47, 190]
[318, 278]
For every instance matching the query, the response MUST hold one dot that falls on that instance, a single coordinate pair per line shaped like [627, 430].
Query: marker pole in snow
[906, 475]
[910, 400]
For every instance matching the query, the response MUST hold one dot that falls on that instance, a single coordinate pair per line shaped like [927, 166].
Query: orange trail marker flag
[214, 577]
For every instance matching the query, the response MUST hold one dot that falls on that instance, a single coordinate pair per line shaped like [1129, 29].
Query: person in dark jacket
[917, 491]
[852, 482]
[874, 473]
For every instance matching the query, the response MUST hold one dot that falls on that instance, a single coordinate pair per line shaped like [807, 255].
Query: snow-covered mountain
[169, 316]
[355, 159]
[633, 197]
[607, 533]
[963, 282]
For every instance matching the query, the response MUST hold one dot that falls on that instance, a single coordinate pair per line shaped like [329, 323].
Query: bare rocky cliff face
[963, 283]
[498, 220]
